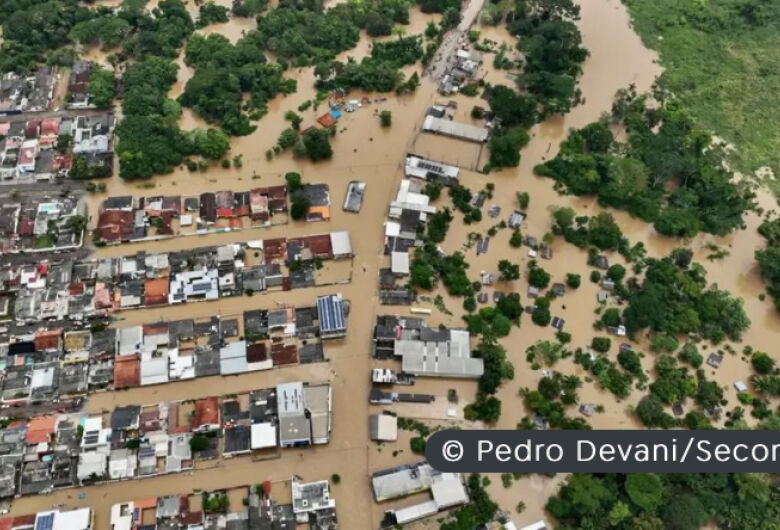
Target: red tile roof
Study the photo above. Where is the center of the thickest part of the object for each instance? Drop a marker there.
(156, 291)
(76, 288)
(274, 249)
(47, 340)
(127, 371)
(206, 412)
(32, 127)
(150, 421)
(320, 245)
(326, 120)
(115, 225)
(50, 126)
(40, 429)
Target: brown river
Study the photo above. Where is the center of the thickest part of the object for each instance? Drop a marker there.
(363, 150)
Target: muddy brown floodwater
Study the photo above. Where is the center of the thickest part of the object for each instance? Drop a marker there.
(365, 151)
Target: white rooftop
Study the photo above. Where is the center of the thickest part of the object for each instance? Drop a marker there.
(289, 398)
(455, 129)
(449, 491)
(422, 168)
(399, 263)
(450, 358)
(263, 435)
(341, 243)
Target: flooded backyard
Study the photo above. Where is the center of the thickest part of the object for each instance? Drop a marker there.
(365, 151)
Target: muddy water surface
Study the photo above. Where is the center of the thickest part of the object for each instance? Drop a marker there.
(367, 152)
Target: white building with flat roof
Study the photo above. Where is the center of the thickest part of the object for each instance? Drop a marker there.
(442, 357)
(424, 169)
(461, 131)
(410, 197)
(78, 519)
(263, 436)
(122, 516)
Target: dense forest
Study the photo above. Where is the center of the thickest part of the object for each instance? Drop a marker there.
(674, 298)
(380, 72)
(673, 501)
(769, 258)
(150, 140)
(668, 172)
(224, 72)
(37, 30)
(551, 46)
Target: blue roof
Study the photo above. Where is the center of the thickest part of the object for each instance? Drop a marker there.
(335, 114)
(331, 313)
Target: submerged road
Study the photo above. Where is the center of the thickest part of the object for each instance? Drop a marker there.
(445, 55)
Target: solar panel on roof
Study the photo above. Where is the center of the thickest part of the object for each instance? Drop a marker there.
(331, 313)
(434, 168)
(45, 522)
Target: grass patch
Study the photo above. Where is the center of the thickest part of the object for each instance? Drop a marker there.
(722, 60)
(44, 241)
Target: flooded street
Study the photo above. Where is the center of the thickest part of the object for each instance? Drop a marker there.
(365, 151)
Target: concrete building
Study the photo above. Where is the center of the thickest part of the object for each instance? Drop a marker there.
(439, 353)
(447, 491)
(410, 197)
(461, 131)
(305, 413)
(78, 519)
(294, 427)
(311, 496)
(383, 427)
(430, 170)
(263, 436)
(341, 244)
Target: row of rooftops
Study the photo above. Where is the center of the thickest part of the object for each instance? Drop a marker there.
(80, 289)
(407, 213)
(311, 505)
(65, 450)
(430, 170)
(53, 365)
(40, 224)
(27, 146)
(76, 519)
(27, 93)
(126, 218)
